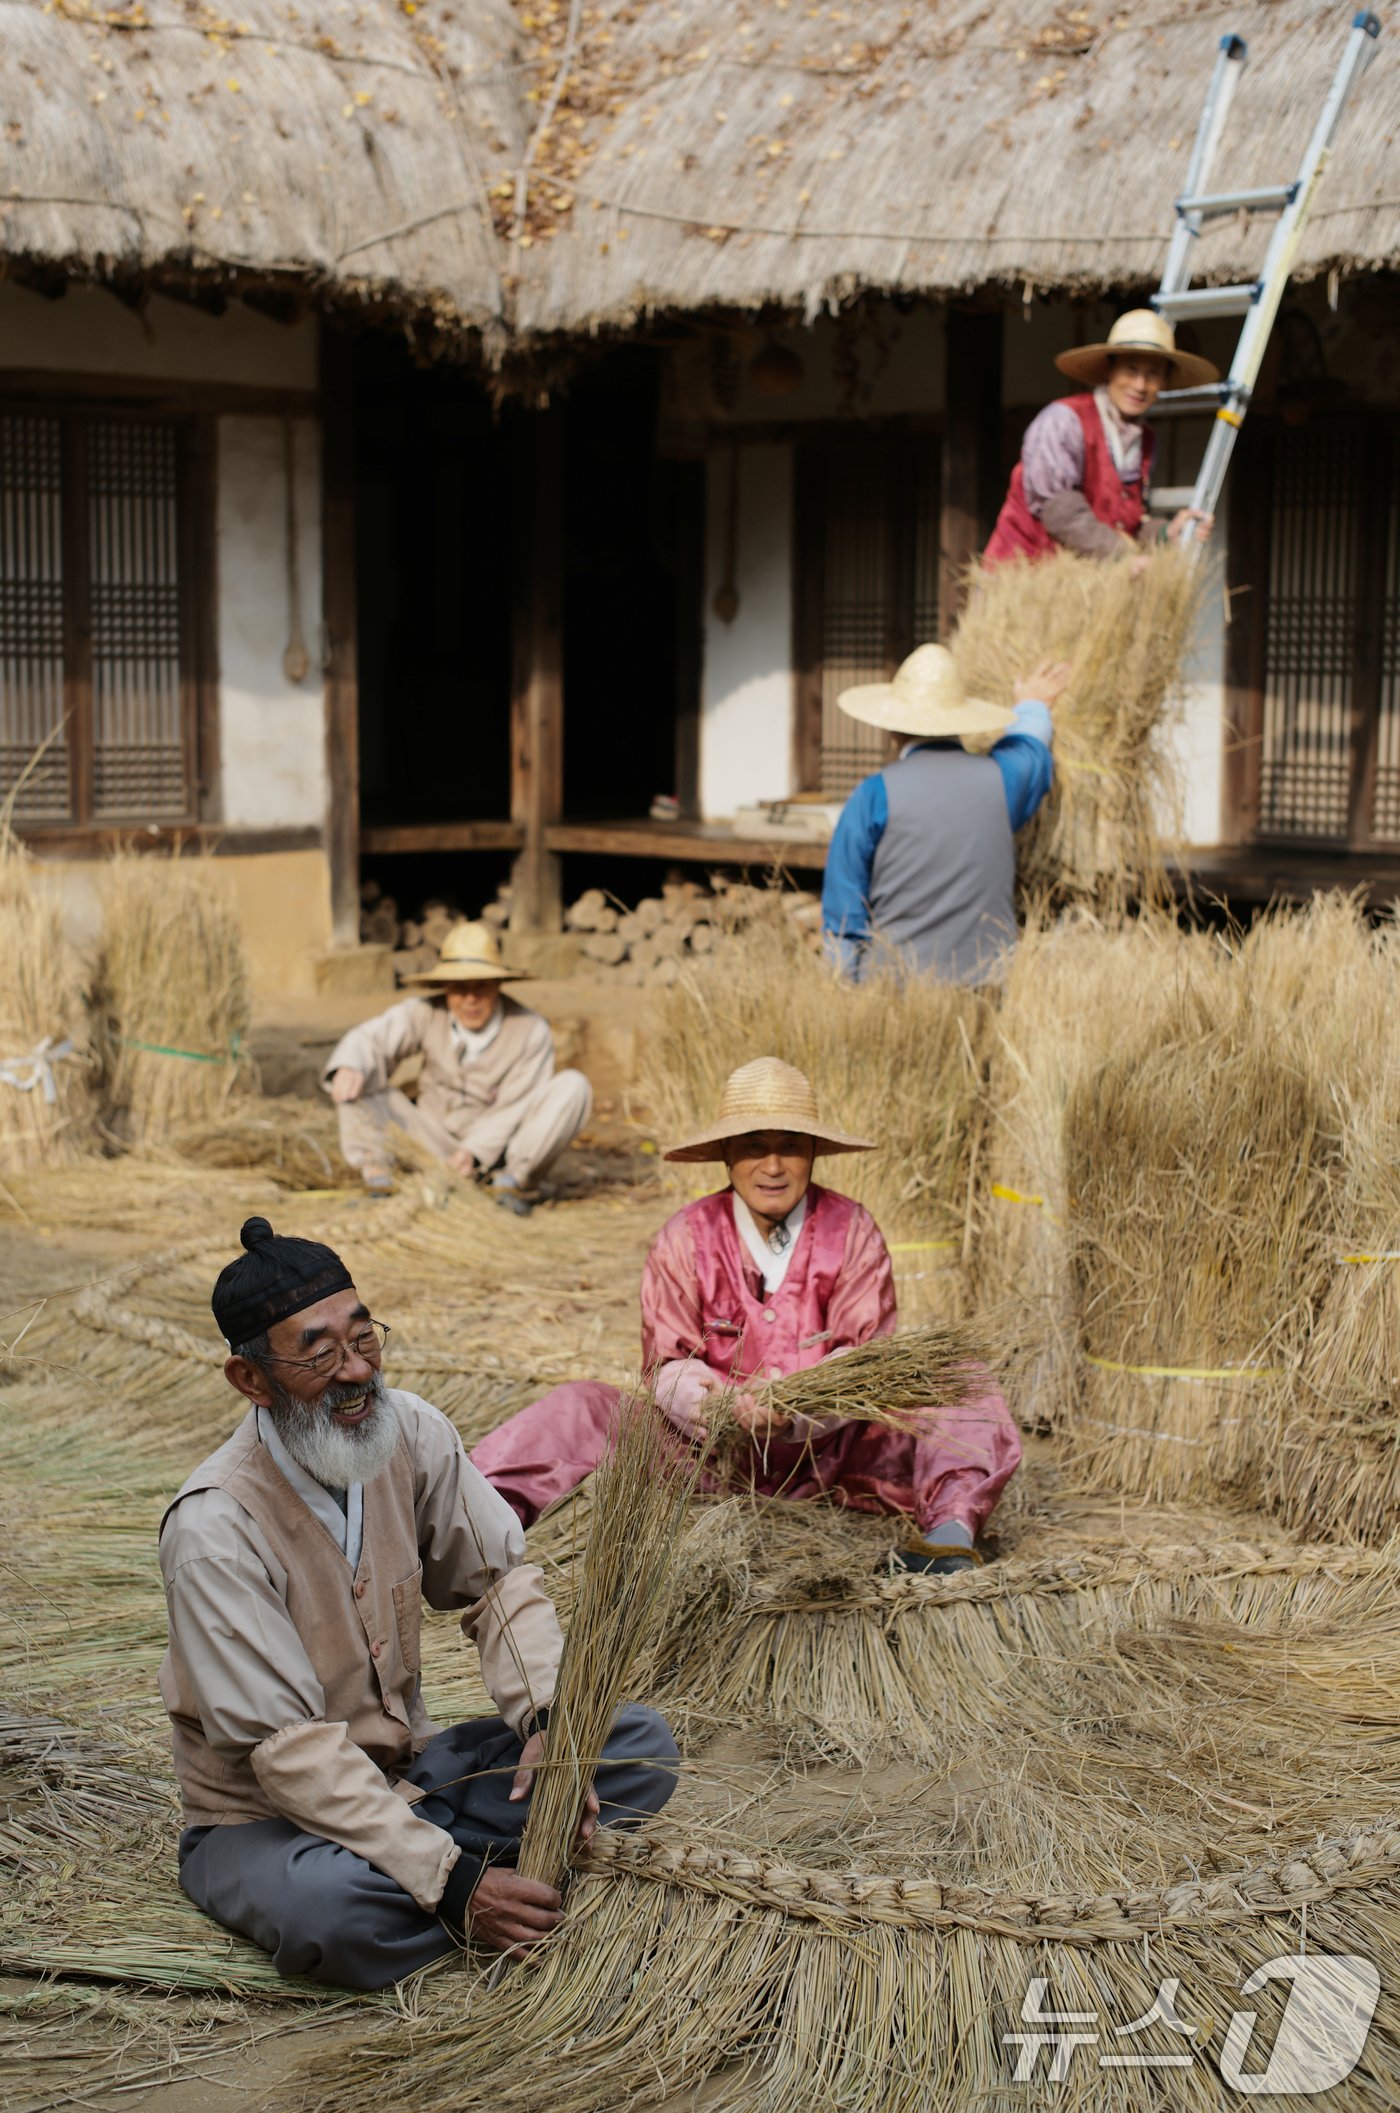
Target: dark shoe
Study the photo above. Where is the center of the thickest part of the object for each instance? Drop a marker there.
(511, 1200)
(378, 1181)
(929, 1563)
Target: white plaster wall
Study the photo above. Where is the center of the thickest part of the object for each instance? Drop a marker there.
(271, 731)
(91, 332)
(746, 708)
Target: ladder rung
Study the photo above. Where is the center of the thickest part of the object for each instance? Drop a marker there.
(1189, 403)
(1170, 498)
(1208, 300)
(1268, 197)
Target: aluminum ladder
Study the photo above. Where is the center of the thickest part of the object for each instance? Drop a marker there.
(1258, 301)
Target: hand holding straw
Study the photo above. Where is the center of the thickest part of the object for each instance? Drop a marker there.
(888, 1380)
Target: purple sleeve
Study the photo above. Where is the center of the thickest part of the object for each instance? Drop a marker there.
(1052, 455)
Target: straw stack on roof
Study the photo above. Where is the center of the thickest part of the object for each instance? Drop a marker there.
(171, 994)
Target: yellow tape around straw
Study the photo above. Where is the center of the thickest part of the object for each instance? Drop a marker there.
(919, 1247)
(1391, 1254)
(1039, 1203)
(1106, 1364)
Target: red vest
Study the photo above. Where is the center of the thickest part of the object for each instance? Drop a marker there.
(1019, 534)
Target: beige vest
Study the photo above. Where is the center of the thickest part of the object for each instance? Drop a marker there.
(361, 1635)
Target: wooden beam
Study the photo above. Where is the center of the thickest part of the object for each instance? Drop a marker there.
(1251, 501)
(383, 838)
(135, 392)
(971, 468)
(537, 667)
(688, 843)
(63, 840)
(338, 611)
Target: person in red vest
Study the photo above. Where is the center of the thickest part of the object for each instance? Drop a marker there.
(1081, 483)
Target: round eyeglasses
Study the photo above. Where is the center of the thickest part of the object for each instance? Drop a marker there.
(367, 1342)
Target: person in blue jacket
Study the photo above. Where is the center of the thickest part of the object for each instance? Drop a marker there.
(923, 859)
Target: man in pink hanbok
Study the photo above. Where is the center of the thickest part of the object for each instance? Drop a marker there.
(765, 1277)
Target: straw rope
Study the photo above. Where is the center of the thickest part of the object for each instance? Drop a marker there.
(1349, 1863)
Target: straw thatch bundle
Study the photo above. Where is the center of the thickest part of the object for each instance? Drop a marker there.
(47, 1103)
(1074, 988)
(1097, 837)
(171, 995)
(1336, 1468)
(1198, 1161)
(897, 1062)
(879, 1991)
(890, 1380)
(641, 1491)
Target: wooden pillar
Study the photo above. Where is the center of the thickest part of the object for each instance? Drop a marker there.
(342, 834)
(537, 666)
(971, 467)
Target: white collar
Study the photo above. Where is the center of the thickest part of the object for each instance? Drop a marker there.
(773, 1262)
(346, 1528)
(471, 1041)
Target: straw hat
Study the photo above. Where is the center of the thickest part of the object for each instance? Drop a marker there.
(926, 698)
(471, 953)
(766, 1095)
(1140, 330)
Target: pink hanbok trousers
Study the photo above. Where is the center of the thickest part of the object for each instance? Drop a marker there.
(706, 1317)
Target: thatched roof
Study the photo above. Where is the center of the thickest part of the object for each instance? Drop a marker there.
(337, 144)
(552, 167)
(790, 153)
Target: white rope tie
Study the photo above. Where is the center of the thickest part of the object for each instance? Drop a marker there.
(36, 1069)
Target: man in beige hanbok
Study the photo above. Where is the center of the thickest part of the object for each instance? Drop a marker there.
(490, 1102)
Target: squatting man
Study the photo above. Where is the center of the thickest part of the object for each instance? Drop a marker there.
(325, 1817)
(490, 1103)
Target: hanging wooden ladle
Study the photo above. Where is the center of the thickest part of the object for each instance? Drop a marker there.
(296, 661)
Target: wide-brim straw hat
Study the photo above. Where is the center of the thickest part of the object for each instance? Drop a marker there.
(1140, 330)
(766, 1095)
(925, 698)
(471, 953)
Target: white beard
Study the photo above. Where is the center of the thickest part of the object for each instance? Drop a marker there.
(338, 1457)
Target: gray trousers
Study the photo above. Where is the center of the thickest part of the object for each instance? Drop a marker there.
(324, 1912)
(545, 1121)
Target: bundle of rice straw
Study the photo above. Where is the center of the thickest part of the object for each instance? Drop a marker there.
(171, 995)
(1097, 838)
(891, 1379)
(899, 1062)
(1199, 1158)
(1336, 1469)
(1073, 989)
(642, 1492)
(47, 1102)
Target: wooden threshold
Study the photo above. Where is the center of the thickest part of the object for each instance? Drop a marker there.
(1261, 873)
(708, 843)
(380, 838)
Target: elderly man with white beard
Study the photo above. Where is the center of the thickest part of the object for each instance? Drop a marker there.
(326, 1818)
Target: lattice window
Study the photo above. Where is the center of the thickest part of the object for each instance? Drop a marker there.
(32, 729)
(97, 646)
(1314, 566)
(868, 586)
(1327, 682)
